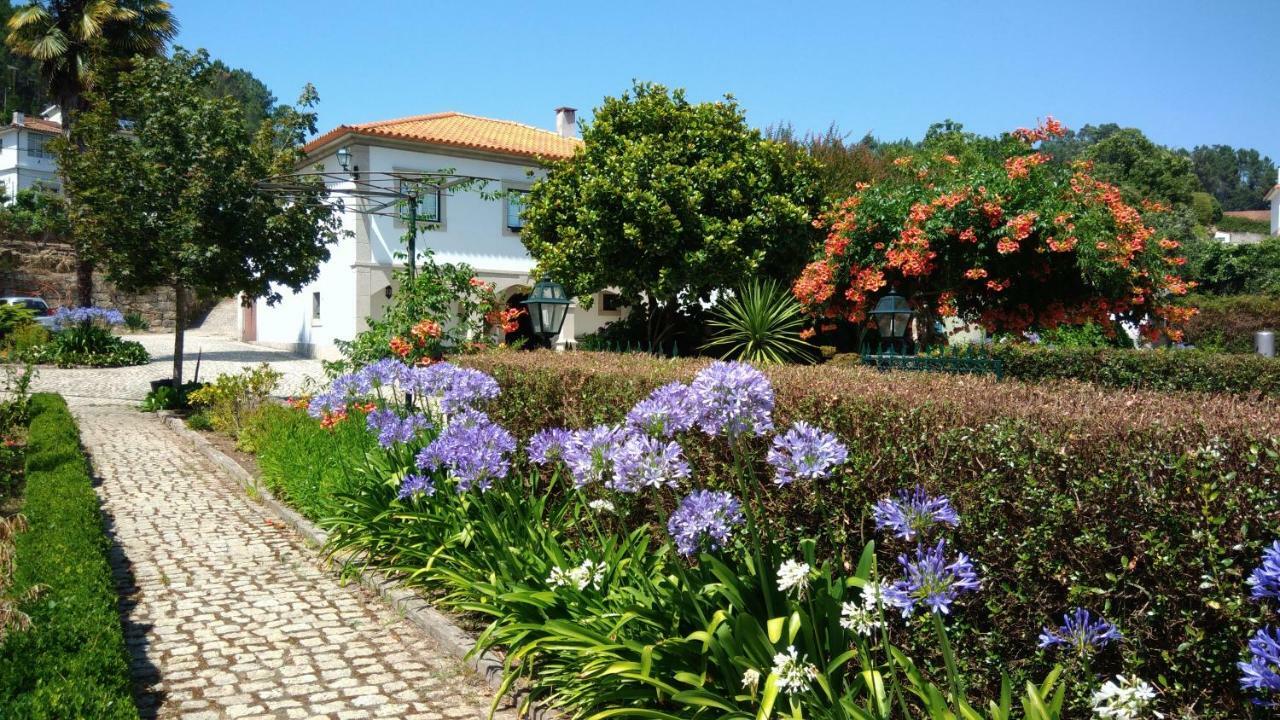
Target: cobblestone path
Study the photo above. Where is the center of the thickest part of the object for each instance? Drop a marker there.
(228, 615)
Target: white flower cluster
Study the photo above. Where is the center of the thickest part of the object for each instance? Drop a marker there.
(1125, 698)
(793, 575)
(751, 679)
(793, 671)
(862, 616)
(589, 574)
(601, 506)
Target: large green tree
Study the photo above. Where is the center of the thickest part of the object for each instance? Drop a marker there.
(256, 100)
(669, 201)
(1238, 178)
(173, 202)
(76, 42)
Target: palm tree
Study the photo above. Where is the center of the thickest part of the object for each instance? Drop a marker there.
(74, 41)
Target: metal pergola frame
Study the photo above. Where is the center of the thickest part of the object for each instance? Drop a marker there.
(392, 194)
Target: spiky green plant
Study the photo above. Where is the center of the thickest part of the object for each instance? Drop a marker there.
(759, 323)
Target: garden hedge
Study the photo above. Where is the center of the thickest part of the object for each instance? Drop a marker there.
(1228, 322)
(71, 663)
(1150, 508)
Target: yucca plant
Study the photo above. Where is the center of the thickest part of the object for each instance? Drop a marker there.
(759, 323)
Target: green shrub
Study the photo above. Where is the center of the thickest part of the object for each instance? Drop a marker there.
(13, 317)
(1177, 370)
(760, 323)
(1228, 322)
(230, 400)
(1146, 507)
(1234, 223)
(64, 351)
(71, 663)
(134, 321)
(25, 338)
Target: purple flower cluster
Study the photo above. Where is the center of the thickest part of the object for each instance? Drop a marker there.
(473, 449)
(414, 484)
(547, 446)
(643, 461)
(1265, 579)
(589, 453)
(733, 399)
(1080, 632)
(914, 512)
(932, 580)
(805, 453)
(458, 388)
(1262, 670)
(64, 317)
(392, 428)
(387, 372)
(668, 410)
(704, 521)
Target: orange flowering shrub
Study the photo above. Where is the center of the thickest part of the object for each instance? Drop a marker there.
(1001, 238)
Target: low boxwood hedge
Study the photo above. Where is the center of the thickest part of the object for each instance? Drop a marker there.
(71, 663)
(1150, 508)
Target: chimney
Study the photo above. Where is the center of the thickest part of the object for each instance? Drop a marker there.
(19, 118)
(567, 121)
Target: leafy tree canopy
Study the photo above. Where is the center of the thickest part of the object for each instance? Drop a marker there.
(173, 202)
(668, 201)
(842, 163)
(990, 230)
(256, 100)
(1238, 178)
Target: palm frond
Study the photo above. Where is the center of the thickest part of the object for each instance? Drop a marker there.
(760, 323)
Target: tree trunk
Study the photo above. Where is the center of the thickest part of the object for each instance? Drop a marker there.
(84, 267)
(661, 325)
(179, 332)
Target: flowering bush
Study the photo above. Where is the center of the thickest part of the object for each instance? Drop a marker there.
(643, 566)
(83, 337)
(998, 236)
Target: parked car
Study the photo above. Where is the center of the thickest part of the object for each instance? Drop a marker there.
(44, 313)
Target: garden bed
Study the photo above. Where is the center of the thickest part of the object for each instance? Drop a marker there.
(71, 662)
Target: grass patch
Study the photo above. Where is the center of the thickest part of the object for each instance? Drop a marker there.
(72, 662)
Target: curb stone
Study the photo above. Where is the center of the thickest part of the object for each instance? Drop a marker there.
(453, 639)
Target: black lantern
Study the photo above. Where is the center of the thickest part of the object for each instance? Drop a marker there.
(547, 305)
(387, 291)
(893, 316)
(344, 158)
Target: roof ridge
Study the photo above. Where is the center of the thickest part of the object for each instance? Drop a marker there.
(408, 118)
(516, 123)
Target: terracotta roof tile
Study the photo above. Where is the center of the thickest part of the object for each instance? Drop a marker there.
(462, 131)
(1260, 215)
(41, 125)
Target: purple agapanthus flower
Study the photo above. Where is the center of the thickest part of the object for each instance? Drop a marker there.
(589, 453)
(473, 449)
(805, 453)
(914, 512)
(64, 317)
(643, 461)
(458, 388)
(733, 398)
(668, 410)
(1262, 670)
(1265, 579)
(387, 372)
(547, 446)
(392, 428)
(415, 484)
(704, 521)
(931, 580)
(1080, 632)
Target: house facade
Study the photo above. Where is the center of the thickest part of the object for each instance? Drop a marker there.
(25, 159)
(1273, 196)
(357, 281)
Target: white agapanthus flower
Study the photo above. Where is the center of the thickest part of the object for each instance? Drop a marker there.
(588, 574)
(792, 670)
(601, 506)
(751, 679)
(862, 616)
(1125, 698)
(792, 574)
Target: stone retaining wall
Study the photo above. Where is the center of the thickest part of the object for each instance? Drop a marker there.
(46, 268)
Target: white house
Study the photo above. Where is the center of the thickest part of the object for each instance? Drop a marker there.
(467, 228)
(25, 160)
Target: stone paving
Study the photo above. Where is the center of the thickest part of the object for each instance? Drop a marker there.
(226, 614)
(217, 355)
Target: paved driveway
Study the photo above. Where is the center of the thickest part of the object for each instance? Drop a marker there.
(218, 355)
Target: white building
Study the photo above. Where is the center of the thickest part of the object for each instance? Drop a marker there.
(466, 228)
(1273, 195)
(25, 160)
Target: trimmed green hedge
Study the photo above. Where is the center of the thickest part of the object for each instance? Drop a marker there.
(1150, 508)
(72, 662)
(1228, 322)
(1198, 370)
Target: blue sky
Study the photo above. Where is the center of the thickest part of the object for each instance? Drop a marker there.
(1186, 72)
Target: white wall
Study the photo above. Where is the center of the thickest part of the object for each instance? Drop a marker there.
(474, 231)
(20, 171)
